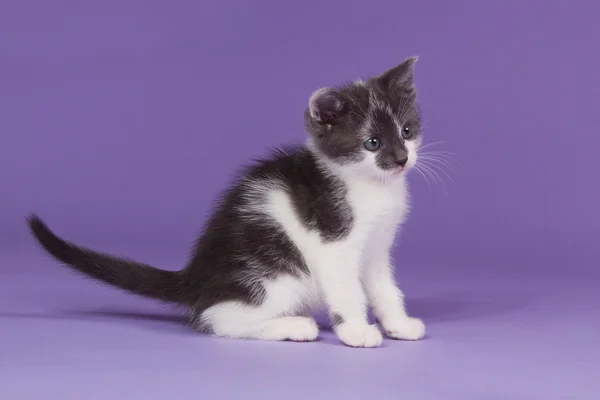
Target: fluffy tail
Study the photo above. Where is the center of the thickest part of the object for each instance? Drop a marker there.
(128, 275)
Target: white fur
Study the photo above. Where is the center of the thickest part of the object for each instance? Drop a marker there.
(282, 315)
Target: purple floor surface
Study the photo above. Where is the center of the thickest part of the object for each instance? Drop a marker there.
(491, 335)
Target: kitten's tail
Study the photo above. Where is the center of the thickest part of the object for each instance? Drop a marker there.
(128, 275)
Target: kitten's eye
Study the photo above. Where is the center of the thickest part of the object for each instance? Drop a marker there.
(372, 144)
(407, 132)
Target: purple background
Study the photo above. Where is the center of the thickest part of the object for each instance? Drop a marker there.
(121, 120)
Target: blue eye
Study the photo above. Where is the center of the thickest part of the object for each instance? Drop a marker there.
(407, 132)
(372, 144)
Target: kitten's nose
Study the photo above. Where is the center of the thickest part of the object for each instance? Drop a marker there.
(401, 159)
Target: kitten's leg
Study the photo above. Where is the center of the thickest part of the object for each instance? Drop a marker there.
(278, 317)
(338, 275)
(234, 323)
(387, 300)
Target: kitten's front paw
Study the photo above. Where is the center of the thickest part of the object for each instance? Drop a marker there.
(405, 329)
(359, 335)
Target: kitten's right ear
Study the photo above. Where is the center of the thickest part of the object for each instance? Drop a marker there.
(327, 106)
(401, 76)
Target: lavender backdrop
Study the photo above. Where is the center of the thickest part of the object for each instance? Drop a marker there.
(121, 120)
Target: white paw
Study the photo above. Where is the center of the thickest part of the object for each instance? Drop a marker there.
(405, 329)
(359, 335)
(302, 329)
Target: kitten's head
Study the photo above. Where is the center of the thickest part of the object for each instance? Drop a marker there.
(370, 127)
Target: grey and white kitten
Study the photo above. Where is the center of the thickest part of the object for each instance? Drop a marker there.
(308, 226)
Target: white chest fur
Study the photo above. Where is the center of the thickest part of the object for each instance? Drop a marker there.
(377, 210)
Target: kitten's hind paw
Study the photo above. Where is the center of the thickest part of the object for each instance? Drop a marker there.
(302, 329)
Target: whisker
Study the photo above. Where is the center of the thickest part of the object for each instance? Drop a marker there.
(435, 176)
(418, 169)
(437, 167)
(433, 173)
(450, 153)
(441, 156)
(426, 145)
(444, 159)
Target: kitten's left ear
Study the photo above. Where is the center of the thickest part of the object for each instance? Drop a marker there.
(327, 106)
(401, 76)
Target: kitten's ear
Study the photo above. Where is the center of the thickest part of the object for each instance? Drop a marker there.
(401, 76)
(327, 106)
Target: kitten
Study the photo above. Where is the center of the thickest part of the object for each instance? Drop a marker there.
(310, 225)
